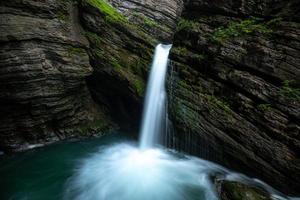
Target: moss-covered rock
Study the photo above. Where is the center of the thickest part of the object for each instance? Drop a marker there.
(234, 91)
(239, 191)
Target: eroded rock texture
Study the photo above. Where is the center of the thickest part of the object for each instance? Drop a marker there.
(230, 190)
(51, 49)
(122, 44)
(43, 68)
(158, 17)
(234, 90)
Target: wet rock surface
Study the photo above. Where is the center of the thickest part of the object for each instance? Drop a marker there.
(44, 63)
(230, 190)
(234, 88)
(158, 17)
(70, 68)
(121, 49)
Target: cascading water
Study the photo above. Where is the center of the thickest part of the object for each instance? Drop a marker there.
(155, 101)
(142, 172)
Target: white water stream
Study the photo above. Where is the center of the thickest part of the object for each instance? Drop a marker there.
(144, 172)
(155, 101)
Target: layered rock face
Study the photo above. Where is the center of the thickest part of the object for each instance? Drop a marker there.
(161, 16)
(122, 44)
(44, 63)
(68, 68)
(51, 49)
(234, 90)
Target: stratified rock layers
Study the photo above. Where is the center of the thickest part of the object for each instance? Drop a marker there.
(58, 58)
(234, 91)
(70, 68)
(43, 68)
(121, 49)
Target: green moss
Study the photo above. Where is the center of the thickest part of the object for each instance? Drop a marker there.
(219, 103)
(289, 91)
(62, 16)
(145, 19)
(182, 51)
(183, 84)
(116, 18)
(200, 56)
(111, 14)
(184, 112)
(139, 86)
(98, 124)
(185, 24)
(94, 38)
(274, 22)
(236, 29)
(138, 66)
(238, 191)
(76, 51)
(150, 22)
(115, 64)
(264, 107)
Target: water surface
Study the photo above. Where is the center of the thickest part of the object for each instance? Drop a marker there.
(40, 174)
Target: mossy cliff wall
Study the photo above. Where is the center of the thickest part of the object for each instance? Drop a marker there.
(234, 91)
(73, 68)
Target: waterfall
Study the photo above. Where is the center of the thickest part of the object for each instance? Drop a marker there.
(128, 172)
(155, 101)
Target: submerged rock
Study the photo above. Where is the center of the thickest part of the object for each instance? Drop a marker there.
(239, 191)
(73, 68)
(234, 89)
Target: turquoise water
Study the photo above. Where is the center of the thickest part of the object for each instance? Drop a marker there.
(107, 168)
(41, 174)
(112, 167)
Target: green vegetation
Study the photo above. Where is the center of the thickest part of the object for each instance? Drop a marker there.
(76, 51)
(236, 29)
(62, 16)
(98, 124)
(111, 14)
(274, 22)
(139, 86)
(185, 24)
(115, 64)
(137, 66)
(264, 107)
(128, 64)
(120, 59)
(183, 84)
(94, 38)
(182, 51)
(146, 20)
(288, 91)
(195, 56)
(116, 18)
(150, 22)
(239, 191)
(219, 103)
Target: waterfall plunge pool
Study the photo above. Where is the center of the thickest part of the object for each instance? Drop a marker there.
(109, 168)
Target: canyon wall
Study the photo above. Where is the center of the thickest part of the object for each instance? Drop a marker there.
(74, 68)
(78, 68)
(234, 90)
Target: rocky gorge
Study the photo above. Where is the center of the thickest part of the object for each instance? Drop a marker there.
(72, 69)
